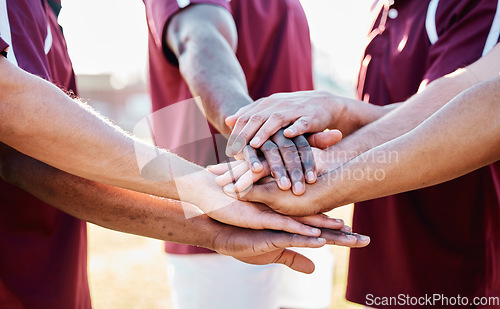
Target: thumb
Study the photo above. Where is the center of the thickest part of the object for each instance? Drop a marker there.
(325, 139)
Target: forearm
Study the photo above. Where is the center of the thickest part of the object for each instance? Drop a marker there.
(213, 73)
(461, 137)
(400, 120)
(414, 111)
(41, 121)
(204, 39)
(110, 207)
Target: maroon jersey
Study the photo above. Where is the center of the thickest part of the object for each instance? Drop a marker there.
(43, 253)
(274, 51)
(443, 239)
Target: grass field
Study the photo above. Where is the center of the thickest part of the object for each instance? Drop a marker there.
(129, 272)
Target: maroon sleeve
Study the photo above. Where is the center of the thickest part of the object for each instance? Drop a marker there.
(3, 47)
(463, 28)
(159, 12)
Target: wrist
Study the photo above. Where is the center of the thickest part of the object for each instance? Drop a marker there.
(329, 192)
(335, 107)
(357, 114)
(201, 190)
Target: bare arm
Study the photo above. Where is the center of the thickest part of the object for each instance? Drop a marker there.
(331, 192)
(41, 121)
(155, 217)
(204, 39)
(419, 107)
(461, 137)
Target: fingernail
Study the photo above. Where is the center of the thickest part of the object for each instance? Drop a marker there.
(338, 220)
(299, 187)
(364, 238)
(255, 141)
(310, 176)
(256, 166)
(352, 238)
(320, 240)
(285, 183)
(236, 147)
(315, 231)
(289, 131)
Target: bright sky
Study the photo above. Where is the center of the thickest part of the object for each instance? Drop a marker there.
(110, 36)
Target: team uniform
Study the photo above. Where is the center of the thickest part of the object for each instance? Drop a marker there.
(274, 51)
(443, 239)
(43, 251)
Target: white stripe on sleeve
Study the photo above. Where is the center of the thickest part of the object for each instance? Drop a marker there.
(48, 40)
(492, 39)
(183, 3)
(430, 21)
(5, 31)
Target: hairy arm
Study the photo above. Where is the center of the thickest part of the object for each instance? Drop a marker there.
(461, 137)
(418, 108)
(204, 39)
(39, 120)
(155, 217)
(336, 188)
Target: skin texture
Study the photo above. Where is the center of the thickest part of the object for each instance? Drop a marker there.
(204, 40)
(300, 113)
(422, 146)
(77, 140)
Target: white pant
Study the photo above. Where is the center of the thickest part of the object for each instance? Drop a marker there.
(214, 281)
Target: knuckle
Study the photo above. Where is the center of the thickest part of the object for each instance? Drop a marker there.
(243, 119)
(304, 123)
(288, 145)
(278, 116)
(269, 146)
(278, 171)
(257, 118)
(296, 174)
(301, 142)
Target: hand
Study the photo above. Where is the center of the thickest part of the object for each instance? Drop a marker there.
(315, 200)
(265, 247)
(284, 155)
(239, 173)
(200, 189)
(307, 111)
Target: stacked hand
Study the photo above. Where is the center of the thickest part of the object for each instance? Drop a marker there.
(295, 159)
(267, 246)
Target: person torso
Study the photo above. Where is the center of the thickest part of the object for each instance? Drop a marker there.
(43, 251)
(435, 240)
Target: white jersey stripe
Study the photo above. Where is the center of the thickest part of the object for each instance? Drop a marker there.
(430, 21)
(492, 39)
(183, 3)
(48, 40)
(5, 31)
